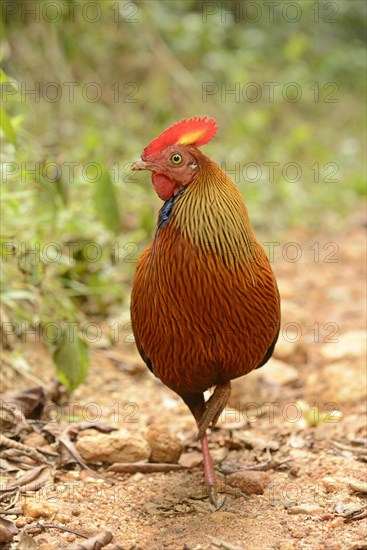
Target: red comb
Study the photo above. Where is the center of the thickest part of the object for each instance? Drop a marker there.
(194, 131)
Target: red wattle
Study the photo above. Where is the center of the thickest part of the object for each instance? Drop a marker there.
(164, 186)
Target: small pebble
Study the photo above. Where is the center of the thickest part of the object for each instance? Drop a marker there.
(337, 522)
(165, 447)
(21, 522)
(63, 517)
(118, 446)
(358, 486)
(249, 482)
(38, 508)
(297, 533)
(190, 460)
(308, 509)
(330, 484)
(137, 477)
(327, 516)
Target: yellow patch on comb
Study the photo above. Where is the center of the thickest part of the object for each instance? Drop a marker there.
(194, 131)
(191, 137)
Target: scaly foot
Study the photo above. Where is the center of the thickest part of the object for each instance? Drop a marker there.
(214, 407)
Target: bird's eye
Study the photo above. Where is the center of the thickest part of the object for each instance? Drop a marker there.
(176, 158)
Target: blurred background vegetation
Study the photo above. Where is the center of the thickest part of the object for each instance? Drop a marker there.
(86, 85)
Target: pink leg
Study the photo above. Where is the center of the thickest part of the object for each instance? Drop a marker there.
(196, 404)
(209, 473)
(210, 477)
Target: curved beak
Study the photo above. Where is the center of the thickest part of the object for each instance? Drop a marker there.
(142, 165)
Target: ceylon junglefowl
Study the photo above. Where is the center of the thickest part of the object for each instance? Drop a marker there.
(205, 307)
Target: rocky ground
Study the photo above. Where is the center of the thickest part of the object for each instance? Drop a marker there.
(290, 448)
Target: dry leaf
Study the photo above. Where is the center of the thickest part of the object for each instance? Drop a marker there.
(26, 542)
(30, 402)
(7, 530)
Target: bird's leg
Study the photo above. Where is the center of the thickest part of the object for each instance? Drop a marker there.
(214, 407)
(209, 474)
(196, 404)
(210, 477)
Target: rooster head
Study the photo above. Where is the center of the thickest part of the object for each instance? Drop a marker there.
(173, 157)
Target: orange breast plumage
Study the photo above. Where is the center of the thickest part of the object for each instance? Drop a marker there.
(205, 305)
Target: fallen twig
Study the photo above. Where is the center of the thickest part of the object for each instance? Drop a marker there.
(261, 467)
(41, 527)
(26, 449)
(11, 511)
(28, 482)
(356, 516)
(31, 481)
(268, 465)
(351, 514)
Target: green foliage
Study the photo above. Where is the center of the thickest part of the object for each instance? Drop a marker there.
(7, 127)
(71, 358)
(119, 82)
(105, 201)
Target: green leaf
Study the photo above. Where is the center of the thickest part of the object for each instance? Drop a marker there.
(105, 201)
(7, 127)
(3, 77)
(71, 358)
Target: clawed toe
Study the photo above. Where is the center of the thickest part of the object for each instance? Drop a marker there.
(213, 498)
(211, 491)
